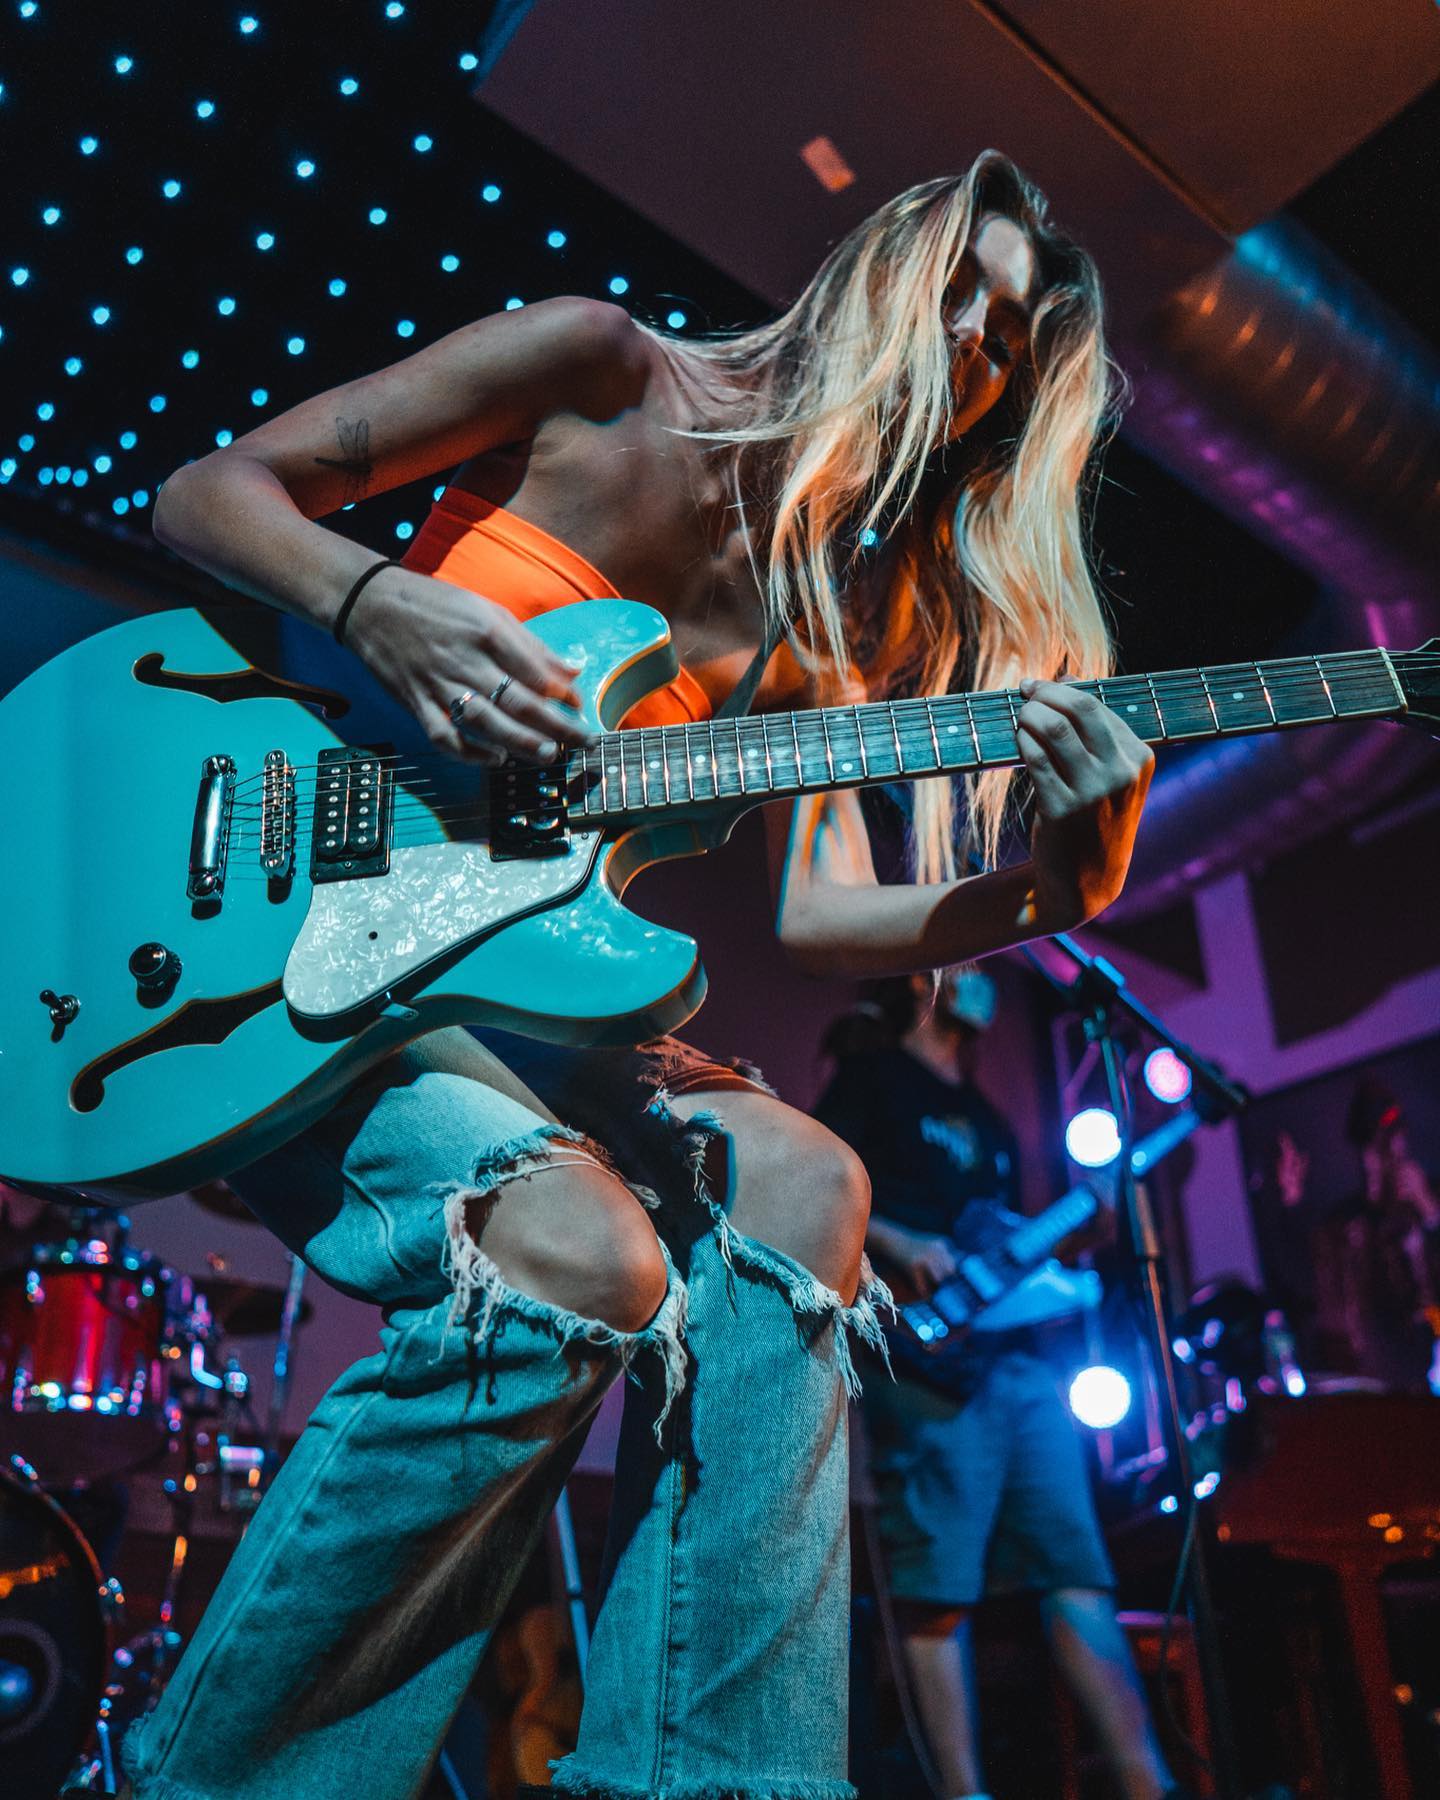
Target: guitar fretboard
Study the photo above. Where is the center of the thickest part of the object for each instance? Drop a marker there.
(778, 754)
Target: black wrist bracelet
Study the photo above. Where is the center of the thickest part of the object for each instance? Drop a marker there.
(337, 628)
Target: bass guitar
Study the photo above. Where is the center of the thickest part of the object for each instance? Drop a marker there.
(229, 893)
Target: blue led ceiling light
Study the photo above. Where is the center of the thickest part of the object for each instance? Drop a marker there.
(51, 215)
(619, 285)
(404, 328)
(295, 345)
(140, 497)
(89, 145)
(225, 306)
(249, 25)
(26, 443)
(100, 314)
(469, 60)
(128, 440)
(337, 287)
(449, 264)
(404, 529)
(73, 365)
(377, 215)
(134, 255)
(204, 109)
(424, 142)
(45, 410)
(222, 438)
(349, 86)
(79, 477)
(171, 189)
(259, 396)
(489, 193)
(305, 168)
(158, 403)
(555, 239)
(676, 320)
(265, 241)
(20, 275)
(394, 10)
(120, 505)
(190, 359)
(103, 464)
(124, 64)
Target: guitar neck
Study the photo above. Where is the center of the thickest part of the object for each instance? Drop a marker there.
(756, 758)
(1034, 1241)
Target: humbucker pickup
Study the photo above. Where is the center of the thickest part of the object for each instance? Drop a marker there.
(350, 834)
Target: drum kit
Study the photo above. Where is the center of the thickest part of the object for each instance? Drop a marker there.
(125, 1419)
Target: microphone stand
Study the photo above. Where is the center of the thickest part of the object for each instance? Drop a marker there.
(1097, 992)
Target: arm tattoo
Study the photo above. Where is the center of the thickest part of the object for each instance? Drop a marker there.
(354, 462)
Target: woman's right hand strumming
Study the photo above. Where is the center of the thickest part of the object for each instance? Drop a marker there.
(431, 643)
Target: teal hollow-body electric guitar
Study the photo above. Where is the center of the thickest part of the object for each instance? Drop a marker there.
(229, 893)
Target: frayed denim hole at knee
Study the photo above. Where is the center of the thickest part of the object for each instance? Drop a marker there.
(580, 1786)
(815, 1305)
(476, 1280)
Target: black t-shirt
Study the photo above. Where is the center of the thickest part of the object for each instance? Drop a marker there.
(930, 1146)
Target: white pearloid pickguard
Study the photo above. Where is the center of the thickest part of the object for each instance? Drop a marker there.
(363, 938)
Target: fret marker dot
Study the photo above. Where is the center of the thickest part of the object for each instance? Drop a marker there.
(1238, 695)
(1132, 709)
(614, 769)
(845, 768)
(950, 730)
(654, 763)
(700, 756)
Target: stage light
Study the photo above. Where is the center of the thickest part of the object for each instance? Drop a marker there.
(120, 505)
(394, 10)
(449, 264)
(20, 276)
(73, 365)
(128, 440)
(404, 529)
(265, 241)
(45, 476)
(51, 215)
(171, 189)
(259, 396)
(1169, 1504)
(513, 305)
(337, 287)
(305, 168)
(1167, 1077)
(619, 285)
(1092, 1138)
(124, 64)
(404, 328)
(78, 477)
(490, 193)
(140, 497)
(157, 403)
(1100, 1397)
(62, 474)
(225, 306)
(222, 438)
(469, 60)
(249, 25)
(103, 465)
(676, 320)
(204, 109)
(26, 443)
(295, 345)
(89, 145)
(8, 468)
(45, 410)
(349, 86)
(555, 239)
(190, 359)
(134, 255)
(377, 215)
(100, 314)
(423, 143)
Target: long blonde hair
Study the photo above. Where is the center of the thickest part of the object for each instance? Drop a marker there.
(832, 414)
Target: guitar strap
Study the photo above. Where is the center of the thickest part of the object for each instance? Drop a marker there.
(742, 696)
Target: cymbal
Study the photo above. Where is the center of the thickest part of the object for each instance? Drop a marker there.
(220, 1198)
(246, 1308)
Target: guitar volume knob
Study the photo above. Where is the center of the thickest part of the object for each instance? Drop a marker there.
(154, 967)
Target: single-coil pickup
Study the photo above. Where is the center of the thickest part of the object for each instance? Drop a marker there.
(350, 835)
(277, 817)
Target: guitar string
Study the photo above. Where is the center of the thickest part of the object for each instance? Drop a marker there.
(987, 709)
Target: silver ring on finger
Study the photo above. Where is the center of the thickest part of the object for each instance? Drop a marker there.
(500, 689)
(459, 704)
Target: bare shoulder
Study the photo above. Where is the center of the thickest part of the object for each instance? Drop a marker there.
(586, 354)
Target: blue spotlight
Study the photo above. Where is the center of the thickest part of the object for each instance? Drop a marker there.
(349, 86)
(555, 239)
(469, 60)
(513, 304)
(73, 365)
(124, 64)
(140, 497)
(337, 287)
(1167, 1077)
(1100, 1397)
(51, 215)
(20, 275)
(305, 168)
(134, 255)
(249, 25)
(222, 438)
(79, 477)
(676, 320)
(171, 189)
(225, 306)
(190, 359)
(1092, 1138)
(489, 193)
(394, 10)
(424, 142)
(128, 440)
(103, 464)
(259, 396)
(449, 264)
(100, 314)
(8, 468)
(378, 215)
(295, 345)
(405, 328)
(404, 529)
(120, 504)
(204, 109)
(265, 241)
(89, 145)
(157, 403)
(45, 410)
(26, 443)
(619, 285)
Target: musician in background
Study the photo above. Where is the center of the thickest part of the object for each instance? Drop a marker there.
(987, 1493)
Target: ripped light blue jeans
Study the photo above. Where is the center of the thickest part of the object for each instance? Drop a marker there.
(360, 1602)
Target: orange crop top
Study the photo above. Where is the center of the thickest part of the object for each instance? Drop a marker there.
(480, 546)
